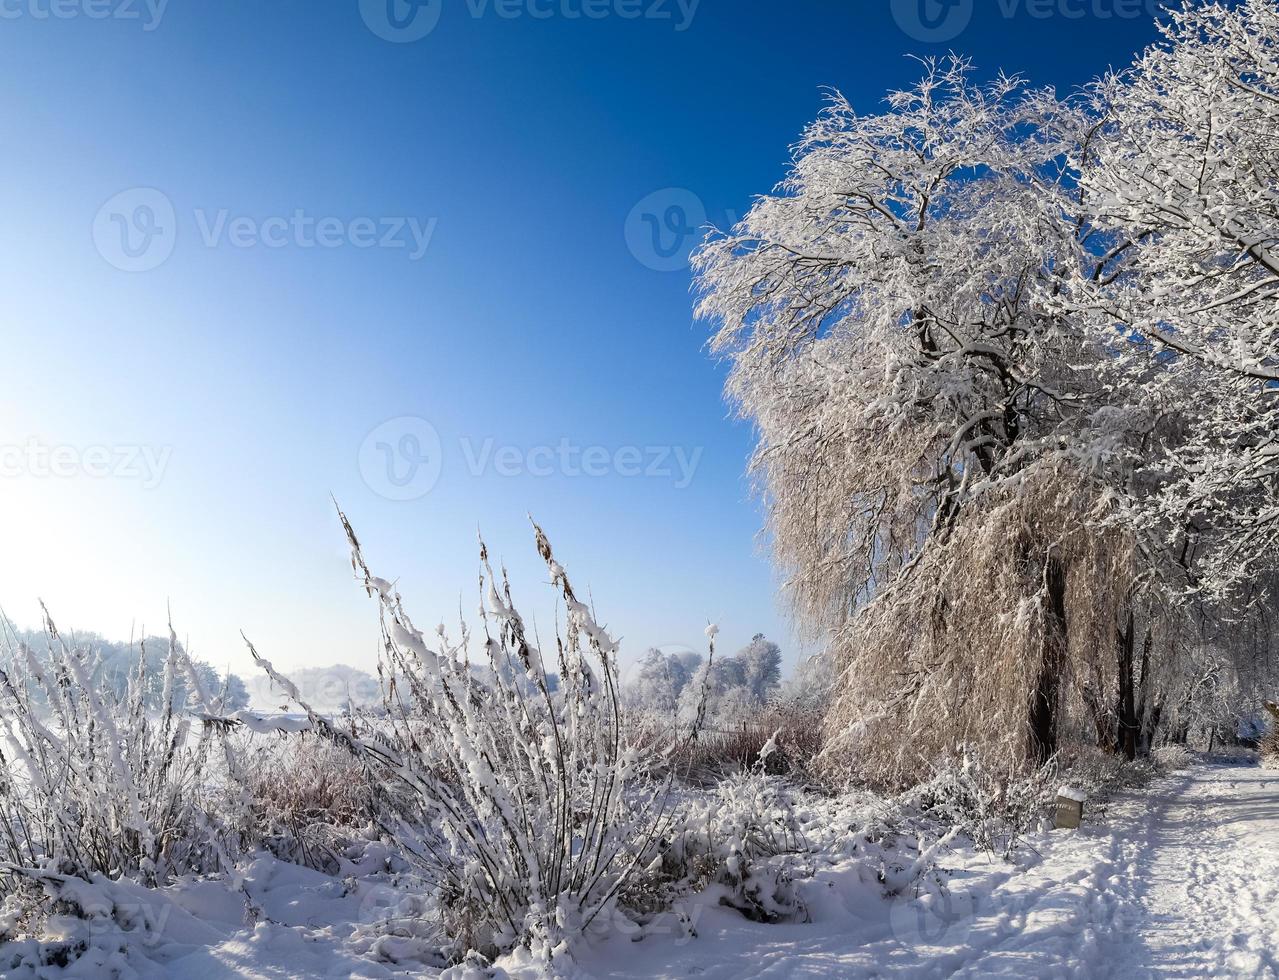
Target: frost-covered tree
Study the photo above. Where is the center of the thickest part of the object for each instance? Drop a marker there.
(1180, 182)
(761, 661)
(812, 683)
(719, 689)
(1011, 359)
(932, 440)
(879, 313)
(660, 679)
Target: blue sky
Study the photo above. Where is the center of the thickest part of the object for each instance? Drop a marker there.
(244, 238)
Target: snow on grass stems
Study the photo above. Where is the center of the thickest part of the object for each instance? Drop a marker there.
(541, 809)
(92, 783)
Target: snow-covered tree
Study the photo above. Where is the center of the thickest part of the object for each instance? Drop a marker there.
(660, 679)
(932, 439)
(1012, 363)
(1180, 183)
(761, 661)
(812, 683)
(735, 688)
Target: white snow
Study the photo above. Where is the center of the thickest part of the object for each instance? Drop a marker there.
(1073, 793)
(1180, 879)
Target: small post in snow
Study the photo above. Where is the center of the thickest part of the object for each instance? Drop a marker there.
(1070, 808)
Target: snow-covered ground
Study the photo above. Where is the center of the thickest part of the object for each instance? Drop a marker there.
(1200, 875)
(1179, 879)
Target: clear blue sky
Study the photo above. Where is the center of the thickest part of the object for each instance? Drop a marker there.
(253, 363)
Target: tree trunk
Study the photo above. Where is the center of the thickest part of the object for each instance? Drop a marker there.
(1129, 724)
(1147, 717)
(1043, 708)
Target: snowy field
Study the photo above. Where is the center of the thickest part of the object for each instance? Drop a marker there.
(1179, 879)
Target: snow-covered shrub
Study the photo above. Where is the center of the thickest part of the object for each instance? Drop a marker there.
(988, 806)
(522, 804)
(744, 839)
(104, 788)
(94, 783)
(1270, 751)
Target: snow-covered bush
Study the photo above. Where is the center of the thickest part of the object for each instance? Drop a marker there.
(94, 783)
(523, 805)
(743, 839)
(988, 806)
(104, 787)
(1171, 757)
(752, 829)
(1270, 751)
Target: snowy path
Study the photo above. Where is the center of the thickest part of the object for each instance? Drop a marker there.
(1181, 880)
(1205, 877)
